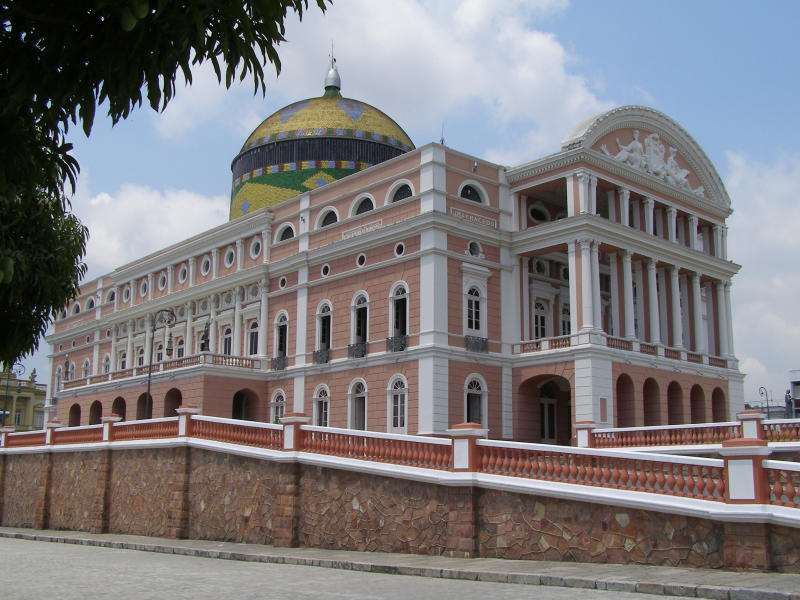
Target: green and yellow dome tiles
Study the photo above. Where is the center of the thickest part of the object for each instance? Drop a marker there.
(281, 158)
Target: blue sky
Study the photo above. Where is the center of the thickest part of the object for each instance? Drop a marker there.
(507, 80)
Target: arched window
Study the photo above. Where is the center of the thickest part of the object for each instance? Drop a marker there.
(566, 326)
(111, 296)
(277, 406)
(399, 313)
(360, 320)
(281, 334)
(474, 309)
(90, 304)
(398, 393)
(401, 193)
(123, 361)
(253, 338)
(474, 401)
(76, 309)
(140, 357)
(106, 364)
(539, 321)
(181, 348)
(321, 406)
(365, 205)
(329, 218)
(85, 369)
(286, 233)
(469, 192)
(74, 415)
(71, 372)
(324, 327)
(358, 406)
(227, 341)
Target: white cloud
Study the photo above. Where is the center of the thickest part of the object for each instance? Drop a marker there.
(136, 220)
(763, 238)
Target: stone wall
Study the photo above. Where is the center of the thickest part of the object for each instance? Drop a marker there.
(204, 494)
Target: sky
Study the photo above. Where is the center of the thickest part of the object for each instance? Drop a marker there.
(505, 81)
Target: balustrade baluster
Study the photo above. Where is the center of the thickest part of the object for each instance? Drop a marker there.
(582, 469)
(701, 482)
(589, 470)
(671, 478)
(660, 479)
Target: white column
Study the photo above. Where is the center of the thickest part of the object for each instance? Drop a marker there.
(149, 286)
(212, 334)
(710, 323)
(569, 180)
(677, 320)
(612, 205)
(598, 307)
(188, 337)
(624, 206)
(96, 353)
(191, 262)
(237, 323)
(724, 243)
(672, 227)
(699, 330)
(593, 194)
(652, 297)
(129, 346)
(729, 317)
(573, 287)
(302, 318)
(262, 318)
(722, 320)
(510, 294)
(114, 347)
(116, 298)
(627, 285)
(583, 191)
(693, 232)
(239, 254)
(525, 291)
(614, 275)
(519, 200)
(134, 291)
(265, 245)
(649, 204)
(638, 279)
(717, 229)
(586, 286)
(148, 337)
(170, 277)
(663, 317)
(214, 257)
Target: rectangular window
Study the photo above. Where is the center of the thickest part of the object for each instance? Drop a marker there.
(38, 420)
(18, 418)
(254, 342)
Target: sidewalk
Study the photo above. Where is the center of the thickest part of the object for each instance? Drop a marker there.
(669, 581)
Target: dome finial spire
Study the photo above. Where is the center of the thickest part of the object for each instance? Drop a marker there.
(333, 83)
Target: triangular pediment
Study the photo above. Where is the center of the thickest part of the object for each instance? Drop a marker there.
(648, 142)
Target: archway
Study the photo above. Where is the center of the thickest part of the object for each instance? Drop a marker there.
(172, 400)
(244, 403)
(74, 415)
(697, 400)
(719, 406)
(95, 412)
(548, 410)
(118, 407)
(144, 409)
(652, 412)
(626, 402)
(675, 404)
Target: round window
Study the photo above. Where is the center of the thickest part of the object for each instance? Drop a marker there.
(162, 281)
(282, 282)
(474, 249)
(183, 274)
(143, 289)
(126, 294)
(230, 255)
(361, 260)
(537, 214)
(399, 249)
(205, 266)
(326, 270)
(255, 248)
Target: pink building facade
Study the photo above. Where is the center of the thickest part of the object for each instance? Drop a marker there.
(434, 288)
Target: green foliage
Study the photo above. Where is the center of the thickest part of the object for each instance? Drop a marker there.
(59, 61)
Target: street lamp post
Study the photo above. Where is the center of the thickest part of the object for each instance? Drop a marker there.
(168, 320)
(17, 370)
(762, 391)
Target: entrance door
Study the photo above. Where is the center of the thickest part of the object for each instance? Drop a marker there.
(547, 420)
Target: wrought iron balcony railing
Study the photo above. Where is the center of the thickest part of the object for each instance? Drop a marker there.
(396, 343)
(476, 344)
(357, 350)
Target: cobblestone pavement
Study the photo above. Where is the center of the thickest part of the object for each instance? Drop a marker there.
(103, 565)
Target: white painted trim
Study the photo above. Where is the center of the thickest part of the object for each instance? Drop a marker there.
(256, 424)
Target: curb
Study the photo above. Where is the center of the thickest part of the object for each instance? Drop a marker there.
(712, 592)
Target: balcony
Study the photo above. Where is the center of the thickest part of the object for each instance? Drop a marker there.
(396, 343)
(278, 363)
(322, 356)
(357, 350)
(476, 344)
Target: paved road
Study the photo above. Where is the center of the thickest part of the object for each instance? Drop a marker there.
(71, 572)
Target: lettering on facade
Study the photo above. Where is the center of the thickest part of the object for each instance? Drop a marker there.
(472, 217)
(366, 228)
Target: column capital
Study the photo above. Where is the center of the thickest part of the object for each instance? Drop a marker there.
(648, 201)
(583, 176)
(672, 211)
(214, 252)
(624, 193)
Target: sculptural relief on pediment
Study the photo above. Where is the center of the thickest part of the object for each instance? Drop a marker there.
(646, 151)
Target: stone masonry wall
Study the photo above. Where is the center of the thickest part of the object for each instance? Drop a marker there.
(77, 491)
(24, 481)
(344, 510)
(231, 498)
(536, 528)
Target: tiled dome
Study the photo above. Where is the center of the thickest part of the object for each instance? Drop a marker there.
(310, 143)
